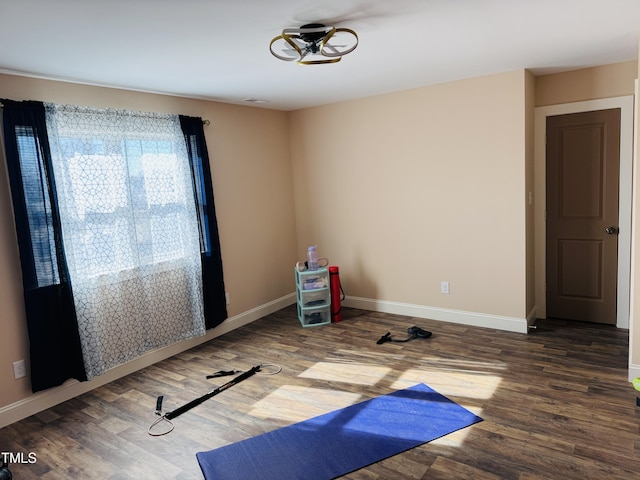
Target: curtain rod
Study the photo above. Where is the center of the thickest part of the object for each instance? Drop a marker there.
(204, 122)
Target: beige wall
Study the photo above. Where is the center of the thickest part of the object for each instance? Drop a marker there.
(406, 190)
(615, 80)
(249, 150)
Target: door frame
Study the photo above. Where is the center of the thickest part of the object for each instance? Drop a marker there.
(625, 104)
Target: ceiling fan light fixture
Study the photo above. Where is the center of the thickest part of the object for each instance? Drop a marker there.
(313, 44)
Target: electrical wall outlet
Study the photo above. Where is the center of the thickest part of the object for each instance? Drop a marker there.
(444, 287)
(226, 296)
(19, 369)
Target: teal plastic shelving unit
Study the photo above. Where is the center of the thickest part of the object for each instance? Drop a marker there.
(313, 297)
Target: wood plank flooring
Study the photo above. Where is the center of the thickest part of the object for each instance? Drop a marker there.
(556, 403)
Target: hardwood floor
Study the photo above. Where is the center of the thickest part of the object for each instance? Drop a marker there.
(556, 403)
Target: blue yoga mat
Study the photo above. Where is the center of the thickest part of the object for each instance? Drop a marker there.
(341, 441)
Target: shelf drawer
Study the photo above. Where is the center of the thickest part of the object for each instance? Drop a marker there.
(313, 282)
(312, 317)
(312, 279)
(314, 298)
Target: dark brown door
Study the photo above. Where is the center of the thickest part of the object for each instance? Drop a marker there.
(583, 164)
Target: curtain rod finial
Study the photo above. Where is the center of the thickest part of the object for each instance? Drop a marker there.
(206, 122)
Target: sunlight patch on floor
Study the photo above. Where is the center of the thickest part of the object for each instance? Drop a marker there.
(457, 385)
(295, 403)
(472, 385)
(354, 373)
(455, 439)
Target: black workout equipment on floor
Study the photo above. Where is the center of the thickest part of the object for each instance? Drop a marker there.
(5, 473)
(414, 332)
(207, 396)
(167, 417)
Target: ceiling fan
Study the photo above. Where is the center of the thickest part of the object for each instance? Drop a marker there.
(314, 44)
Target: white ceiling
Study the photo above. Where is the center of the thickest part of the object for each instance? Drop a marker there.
(219, 49)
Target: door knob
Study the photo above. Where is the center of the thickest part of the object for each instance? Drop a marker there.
(611, 230)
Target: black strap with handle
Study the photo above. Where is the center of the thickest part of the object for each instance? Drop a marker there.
(414, 332)
(194, 403)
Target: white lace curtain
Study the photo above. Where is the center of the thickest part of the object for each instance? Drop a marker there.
(130, 230)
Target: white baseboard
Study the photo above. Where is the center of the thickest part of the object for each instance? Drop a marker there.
(510, 324)
(46, 399)
(634, 372)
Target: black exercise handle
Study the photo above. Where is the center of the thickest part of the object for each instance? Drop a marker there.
(194, 403)
(5, 473)
(385, 338)
(221, 373)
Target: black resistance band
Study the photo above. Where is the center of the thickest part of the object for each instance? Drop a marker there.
(207, 396)
(193, 403)
(414, 332)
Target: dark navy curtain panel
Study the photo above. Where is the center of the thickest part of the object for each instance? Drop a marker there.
(215, 306)
(55, 352)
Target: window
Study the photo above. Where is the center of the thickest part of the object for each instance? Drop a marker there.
(117, 234)
(38, 207)
(128, 201)
(130, 227)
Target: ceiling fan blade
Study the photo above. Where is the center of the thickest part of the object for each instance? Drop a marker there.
(285, 48)
(330, 50)
(348, 42)
(318, 61)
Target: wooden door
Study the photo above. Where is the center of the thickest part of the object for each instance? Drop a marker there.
(583, 164)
